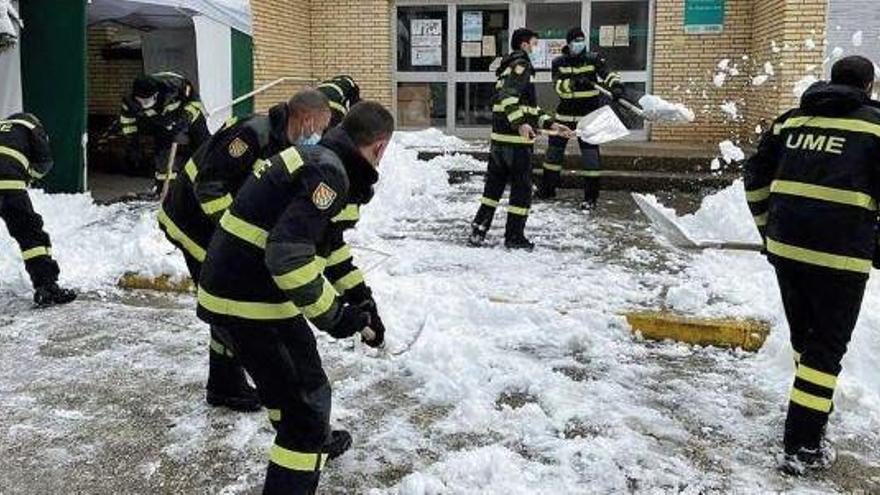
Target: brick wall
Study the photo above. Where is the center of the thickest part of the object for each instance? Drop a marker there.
(315, 40)
(108, 80)
(282, 47)
(685, 65)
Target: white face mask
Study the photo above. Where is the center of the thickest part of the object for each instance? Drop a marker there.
(147, 103)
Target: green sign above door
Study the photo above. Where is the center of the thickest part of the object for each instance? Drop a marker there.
(703, 16)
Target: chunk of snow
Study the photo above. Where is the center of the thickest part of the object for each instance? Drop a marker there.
(656, 105)
(836, 53)
(687, 297)
(774, 47)
(857, 38)
(768, 69)
(729, 108)
(758, 129)
(719, 79)
(810, 44)
(733, 71)
(731, 152)
(716, 164)
(759, 80)
(724, 64)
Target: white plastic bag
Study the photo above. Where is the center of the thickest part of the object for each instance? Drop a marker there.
(601, 126)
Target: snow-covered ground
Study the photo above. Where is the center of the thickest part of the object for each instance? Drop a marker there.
(525, 380)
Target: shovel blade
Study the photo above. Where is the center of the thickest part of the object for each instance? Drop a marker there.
(665, 225)
(601, 126)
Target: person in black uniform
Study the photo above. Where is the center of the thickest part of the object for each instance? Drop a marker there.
(279, 260)
(25, 155)
(343, 94)
(199, 197)
(166, 106)
(515, 116)
(576, 73)
(813, 187)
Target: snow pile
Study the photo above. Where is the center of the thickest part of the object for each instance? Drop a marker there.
(731, 152)
(719, 79)
(657, 106)
(730, 109)
(809, 44)
(431, 139)
(94, 245)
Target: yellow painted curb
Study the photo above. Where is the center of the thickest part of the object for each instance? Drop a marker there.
(720, 332)
(162, 283)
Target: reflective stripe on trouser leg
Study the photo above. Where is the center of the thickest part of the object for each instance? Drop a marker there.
(520, 192)
(496, 182)
(553, 163)
(26, 227)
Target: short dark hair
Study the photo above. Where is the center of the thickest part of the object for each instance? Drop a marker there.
(853, 71)
(368, 122)
(520, 36)
(307, 101)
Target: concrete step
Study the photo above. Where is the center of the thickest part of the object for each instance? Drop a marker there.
(629, 180)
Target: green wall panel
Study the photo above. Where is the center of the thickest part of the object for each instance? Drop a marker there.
(53, 66)
(242, 71)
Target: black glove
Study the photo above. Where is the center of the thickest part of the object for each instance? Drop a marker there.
(618, 91)
(353, 320)
(181, 138)
(582, 82)
(375, 324)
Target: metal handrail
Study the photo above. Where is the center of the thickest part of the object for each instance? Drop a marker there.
(262, 89)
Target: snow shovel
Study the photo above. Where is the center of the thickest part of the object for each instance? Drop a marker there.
(168, 170)
(679, 238)
(657, 115)
(598, 127)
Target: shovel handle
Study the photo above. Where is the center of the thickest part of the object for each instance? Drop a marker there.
(169, 168)
(632, 107)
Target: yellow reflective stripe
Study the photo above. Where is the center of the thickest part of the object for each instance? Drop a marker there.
(580, 94)
(491, 203)
(552, 167)
(510, 138)
(351, 213)
(219, 348)
(588, 173)
(340, 255)
(506, 72)
(150, 112)
(171, 107)
(129, 129)
(756, 195)
(36, 175)
(36, 252)
(274, 414)
(323, 304)
(25, 123)
(246, 309)
(817, 377)
(567, 118)
(353, 279)
(15, 155)
(852, 125)
(563, 86)
(163, 175)
(777, 129)
(299, 277)
(127, 120)
(582, 69)
(291, 159)
(297, 461)
(12, 185)
(830, 194)
(245, 231)
(338, 107)
(178, 235)
(217, 205)
(334, 87)
(819, 258)
(517, 210)
(810, 401)
(191, 170)
(543, 119)
(761, 220)
(515, 115)
(797, 356)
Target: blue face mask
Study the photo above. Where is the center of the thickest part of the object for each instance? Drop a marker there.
(533, 57)
(578, 47)
(309, 140)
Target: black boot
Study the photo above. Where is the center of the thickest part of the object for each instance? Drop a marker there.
(478, 235)
(545, 191)
(50, 294)
(808, 459)
(228, 386)
(338, 444)
(514, 237)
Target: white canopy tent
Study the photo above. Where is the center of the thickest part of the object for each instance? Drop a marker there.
(191, 37)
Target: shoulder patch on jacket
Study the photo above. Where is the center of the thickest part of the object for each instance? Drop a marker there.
(519, 69)
(237, 148)
(323, 196)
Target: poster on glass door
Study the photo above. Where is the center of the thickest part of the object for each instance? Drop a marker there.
(426, 44)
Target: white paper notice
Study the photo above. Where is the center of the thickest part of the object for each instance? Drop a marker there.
(606, 36)
(472, 26)
(427, 55)
(621, 35)
(471, 50)
(427, 32)
(489, 49)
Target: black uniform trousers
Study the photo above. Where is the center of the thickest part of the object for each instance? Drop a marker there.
(197, 132)
(507, 164)
(822, 308)
(286, 367)
(591, 167)
(26, 227)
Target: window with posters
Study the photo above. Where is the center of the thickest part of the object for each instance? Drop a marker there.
(421, 38)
